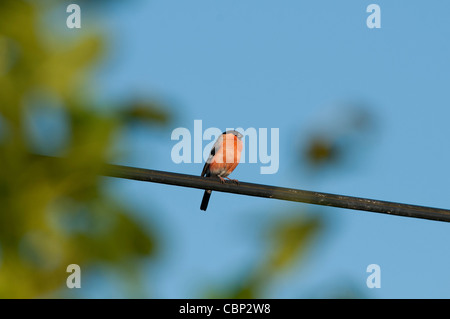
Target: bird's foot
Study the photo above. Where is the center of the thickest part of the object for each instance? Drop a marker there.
(233, 180)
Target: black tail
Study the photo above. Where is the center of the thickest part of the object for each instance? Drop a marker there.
(205, 200)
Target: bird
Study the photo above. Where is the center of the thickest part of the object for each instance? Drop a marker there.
(223, 159)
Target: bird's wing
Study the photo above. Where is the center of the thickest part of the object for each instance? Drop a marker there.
(205, 169)
(217, 145)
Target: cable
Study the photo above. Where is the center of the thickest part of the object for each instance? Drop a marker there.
(281, 193)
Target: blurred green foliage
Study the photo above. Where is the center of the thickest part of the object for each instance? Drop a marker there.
(287, 242)
(53, 214)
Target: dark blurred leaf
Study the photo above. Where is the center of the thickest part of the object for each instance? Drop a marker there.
(146, 112)
(337, 138)
(321, 150)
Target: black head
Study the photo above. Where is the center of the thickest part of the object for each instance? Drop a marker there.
(236, 133)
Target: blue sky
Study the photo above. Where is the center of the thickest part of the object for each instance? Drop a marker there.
(272, 64)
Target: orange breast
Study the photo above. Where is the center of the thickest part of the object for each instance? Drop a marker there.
(227, 157)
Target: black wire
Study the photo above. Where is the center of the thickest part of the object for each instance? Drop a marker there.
(281, 193)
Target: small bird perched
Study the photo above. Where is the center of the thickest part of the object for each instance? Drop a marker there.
(223, 159)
